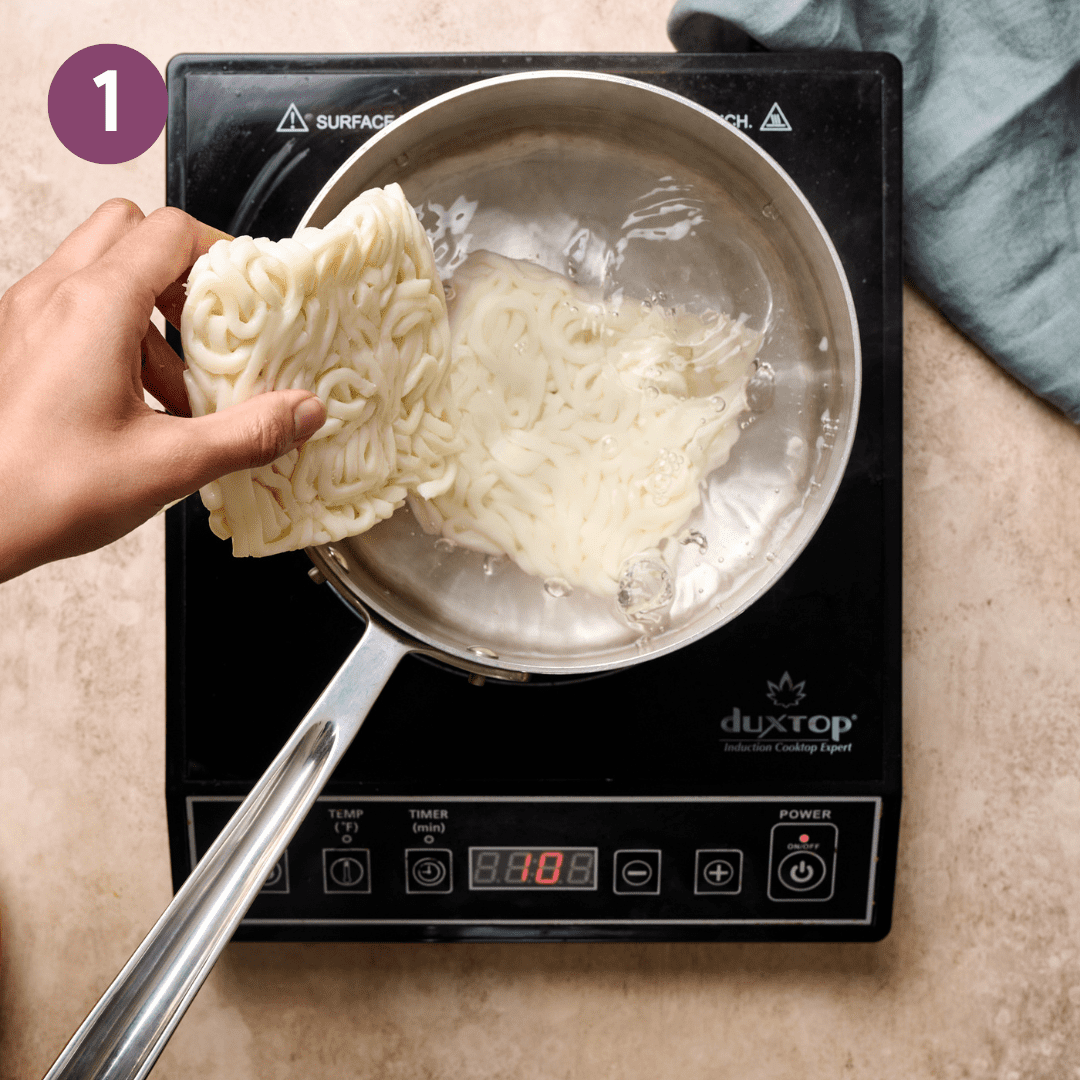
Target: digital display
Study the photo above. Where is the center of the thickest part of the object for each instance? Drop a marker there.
(537, 868)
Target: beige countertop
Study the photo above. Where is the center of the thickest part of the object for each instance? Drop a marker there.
(980, 976)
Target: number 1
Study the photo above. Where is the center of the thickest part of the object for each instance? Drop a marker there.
(108, 80)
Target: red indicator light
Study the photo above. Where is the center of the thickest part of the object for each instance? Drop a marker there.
(804, 839)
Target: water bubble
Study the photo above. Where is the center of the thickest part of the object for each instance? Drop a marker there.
(402, 160)
(520, 346)
(692, 536)
(444, 545)
(770, 557)
(761, 388)
(487, 654)
(646, 592)
(670, 461)
(652, 391)
(609, 446)
(830, 427)
(449, 293)
(492, 563)
(718, 403)
(770, 211)
(557, 586)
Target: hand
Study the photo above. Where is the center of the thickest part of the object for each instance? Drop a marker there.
(83, 458)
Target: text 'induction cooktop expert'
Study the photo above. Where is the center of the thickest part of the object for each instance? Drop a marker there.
(743, 787)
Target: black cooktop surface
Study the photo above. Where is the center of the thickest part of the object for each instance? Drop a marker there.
(798, 696)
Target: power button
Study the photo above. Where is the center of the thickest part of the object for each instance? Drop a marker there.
(802, 871)
(802, 861)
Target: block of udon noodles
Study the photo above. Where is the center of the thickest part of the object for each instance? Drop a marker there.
(354, 312)
(587, 424)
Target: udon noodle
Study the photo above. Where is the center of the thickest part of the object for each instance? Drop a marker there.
(354, 312)
(541, 421)
(587, 425)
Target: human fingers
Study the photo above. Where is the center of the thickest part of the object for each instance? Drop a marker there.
(163, 373)
(90, 240)
(192, 452)
(170, 302)
(155, 254)
(85, 244)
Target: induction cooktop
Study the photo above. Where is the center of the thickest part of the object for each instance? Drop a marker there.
(745, 787)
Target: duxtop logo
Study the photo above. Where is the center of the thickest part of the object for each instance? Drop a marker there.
(784, 730)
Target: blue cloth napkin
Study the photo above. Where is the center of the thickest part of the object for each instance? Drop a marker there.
(991, 156)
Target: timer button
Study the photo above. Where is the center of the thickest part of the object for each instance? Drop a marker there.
(637, 871)
(718, 870)
(429, 870)
(346, 870)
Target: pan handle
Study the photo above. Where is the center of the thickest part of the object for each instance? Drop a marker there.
(129, 1027)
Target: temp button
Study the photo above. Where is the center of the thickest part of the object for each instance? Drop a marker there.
(346, 870)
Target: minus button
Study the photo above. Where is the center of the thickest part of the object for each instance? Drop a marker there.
(637, 871)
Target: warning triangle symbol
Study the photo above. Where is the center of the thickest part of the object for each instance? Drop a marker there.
(292, 120)
(775, 121)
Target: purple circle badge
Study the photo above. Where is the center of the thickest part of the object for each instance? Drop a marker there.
(108, 104)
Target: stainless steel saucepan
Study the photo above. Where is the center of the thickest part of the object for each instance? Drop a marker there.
(629, 188)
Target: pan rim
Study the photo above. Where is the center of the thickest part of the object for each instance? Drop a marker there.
(326, 557)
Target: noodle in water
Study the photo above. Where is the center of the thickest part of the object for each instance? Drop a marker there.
(587, 426)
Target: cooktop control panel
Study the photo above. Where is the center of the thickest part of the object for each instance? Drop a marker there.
(399, 861)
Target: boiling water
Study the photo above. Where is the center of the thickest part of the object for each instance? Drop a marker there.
(634, 231)
(639, 229)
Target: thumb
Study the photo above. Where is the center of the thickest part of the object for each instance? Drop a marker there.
(243, 436)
